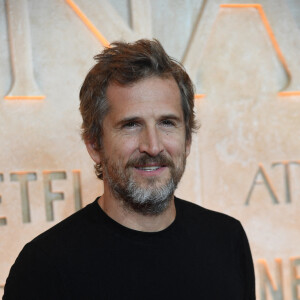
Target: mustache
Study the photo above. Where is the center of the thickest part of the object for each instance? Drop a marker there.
(145, 159)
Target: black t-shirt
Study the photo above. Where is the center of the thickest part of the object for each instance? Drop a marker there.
(201, 255)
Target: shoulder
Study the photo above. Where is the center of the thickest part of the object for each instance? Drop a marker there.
(49, 254)
(198, 216)
(73, 229)
(218, 230)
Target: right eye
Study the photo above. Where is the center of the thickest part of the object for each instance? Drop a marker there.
(130, 124)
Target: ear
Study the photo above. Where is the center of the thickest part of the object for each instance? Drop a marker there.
(188, 145)
(93, 151)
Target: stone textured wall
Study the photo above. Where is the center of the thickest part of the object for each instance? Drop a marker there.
(245, 161)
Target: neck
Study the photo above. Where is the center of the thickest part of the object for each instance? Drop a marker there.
(115, 209)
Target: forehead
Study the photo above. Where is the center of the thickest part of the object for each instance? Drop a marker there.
(154, 95)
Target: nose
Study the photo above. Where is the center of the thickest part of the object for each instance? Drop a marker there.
(150, 142)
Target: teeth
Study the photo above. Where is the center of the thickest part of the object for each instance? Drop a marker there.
(148, 169)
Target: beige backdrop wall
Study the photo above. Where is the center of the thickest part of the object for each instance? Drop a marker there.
(245, 160)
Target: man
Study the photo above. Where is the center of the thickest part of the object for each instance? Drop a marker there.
(137, 241)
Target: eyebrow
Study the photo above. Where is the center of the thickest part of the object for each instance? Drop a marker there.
(127, 120)
(136, 118)
(171, 116)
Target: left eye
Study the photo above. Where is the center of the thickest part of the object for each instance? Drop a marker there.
(167, 123)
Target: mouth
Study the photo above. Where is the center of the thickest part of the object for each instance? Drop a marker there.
(146, 166)
(149, 168)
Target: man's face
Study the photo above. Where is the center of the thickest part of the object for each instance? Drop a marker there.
(143, 143)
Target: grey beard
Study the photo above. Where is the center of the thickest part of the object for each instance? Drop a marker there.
(147, 201)
(152, 199)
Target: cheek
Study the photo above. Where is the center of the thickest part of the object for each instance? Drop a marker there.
(175, 146)
(123, 148)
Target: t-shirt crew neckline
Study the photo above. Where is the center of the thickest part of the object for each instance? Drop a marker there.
(123, 231)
